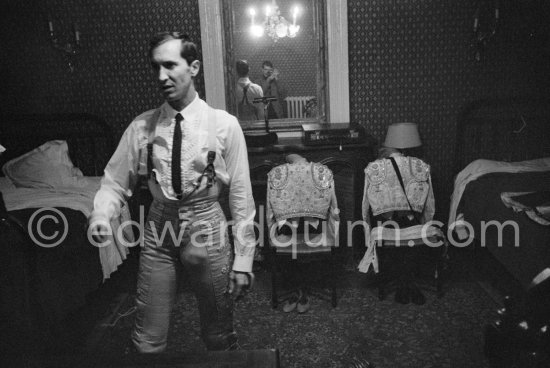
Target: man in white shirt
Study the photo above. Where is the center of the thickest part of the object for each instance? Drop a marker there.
(246, 92)
(185, 224)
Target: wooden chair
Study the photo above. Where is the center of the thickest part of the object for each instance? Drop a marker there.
(346, 184)
(302, 194)
(394, 234)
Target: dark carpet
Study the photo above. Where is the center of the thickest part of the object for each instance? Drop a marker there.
(445, 332)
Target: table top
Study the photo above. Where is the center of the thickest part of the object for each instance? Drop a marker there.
(285, 144)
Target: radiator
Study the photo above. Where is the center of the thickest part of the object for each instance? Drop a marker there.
(295, 106)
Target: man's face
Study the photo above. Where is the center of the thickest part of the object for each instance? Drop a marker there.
(174, 75)
(267, 71)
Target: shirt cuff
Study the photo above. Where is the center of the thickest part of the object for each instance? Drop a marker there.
(99, 215)
(243, 263)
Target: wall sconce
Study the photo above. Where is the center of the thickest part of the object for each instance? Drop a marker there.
(70, 49)
(481, 37)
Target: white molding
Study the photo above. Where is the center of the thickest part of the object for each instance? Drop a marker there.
(212, 52)
(337, 49)
(338, 72)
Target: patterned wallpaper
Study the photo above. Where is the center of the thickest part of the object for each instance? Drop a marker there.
(413, 61)
(111, 76)
(410, 60)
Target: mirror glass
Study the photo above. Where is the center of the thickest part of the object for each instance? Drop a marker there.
(295, 74)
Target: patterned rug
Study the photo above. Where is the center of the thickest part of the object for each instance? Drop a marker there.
(445, 332)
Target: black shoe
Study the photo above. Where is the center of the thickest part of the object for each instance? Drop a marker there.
(416, 295)
(402, 295)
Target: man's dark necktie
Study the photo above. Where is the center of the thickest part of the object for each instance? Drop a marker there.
(176, 157)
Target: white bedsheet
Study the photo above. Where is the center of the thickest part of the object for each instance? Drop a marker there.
(478, 168)
(77, 198)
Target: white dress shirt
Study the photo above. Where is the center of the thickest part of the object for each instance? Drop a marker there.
(231, 165)
(254, 91)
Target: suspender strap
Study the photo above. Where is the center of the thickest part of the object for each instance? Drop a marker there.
(151, 128)
(209, 171)
(245, 95)
(211, 117)
(396, 168)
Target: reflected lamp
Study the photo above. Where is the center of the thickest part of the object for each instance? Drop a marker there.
(274, 24)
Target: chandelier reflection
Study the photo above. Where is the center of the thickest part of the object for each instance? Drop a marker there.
(274, 24)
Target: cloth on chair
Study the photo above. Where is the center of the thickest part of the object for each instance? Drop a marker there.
(383, 194)
(405, 237)
(302, 190)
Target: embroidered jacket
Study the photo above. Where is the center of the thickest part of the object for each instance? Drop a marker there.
(383, 192)
(302, 190)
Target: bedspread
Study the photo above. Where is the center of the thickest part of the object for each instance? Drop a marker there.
(518, 243)
(479, 168)
(536, 205)
(78, 198)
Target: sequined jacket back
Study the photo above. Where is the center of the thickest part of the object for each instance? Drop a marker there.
(383, 192)
(301, 190)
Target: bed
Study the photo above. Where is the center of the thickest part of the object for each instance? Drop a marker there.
(503, 175)
(51, 170)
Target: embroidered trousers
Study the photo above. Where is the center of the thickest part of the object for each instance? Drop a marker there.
(195, 236)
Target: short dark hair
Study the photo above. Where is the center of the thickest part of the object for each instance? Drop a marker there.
(242, 68)
(267, 63)
(189, 50)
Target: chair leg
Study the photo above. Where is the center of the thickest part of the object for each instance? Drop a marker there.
(274, 298)
(380, 282)
(438, 283)
(334, 297)
(441, 266)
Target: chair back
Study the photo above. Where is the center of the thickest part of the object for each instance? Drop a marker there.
(346, 183)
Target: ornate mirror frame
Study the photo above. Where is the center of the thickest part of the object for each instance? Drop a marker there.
(336, 64)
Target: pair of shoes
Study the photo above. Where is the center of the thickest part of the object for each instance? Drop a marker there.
(402, 295)
(258, 256)
(303, 303)
(290, 303)
(416, 295)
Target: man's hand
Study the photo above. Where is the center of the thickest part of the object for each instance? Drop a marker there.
(274, 76)
(99, 229)
(240, 283)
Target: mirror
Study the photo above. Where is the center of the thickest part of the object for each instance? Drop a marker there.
(296, 64)
(303, 61)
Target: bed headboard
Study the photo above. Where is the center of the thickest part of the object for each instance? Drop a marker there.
(91, 141)
(505, 129)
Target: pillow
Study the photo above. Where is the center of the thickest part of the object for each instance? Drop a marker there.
(47, 166)
(5, 184)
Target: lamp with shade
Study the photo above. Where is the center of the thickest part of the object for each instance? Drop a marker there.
(402, 135)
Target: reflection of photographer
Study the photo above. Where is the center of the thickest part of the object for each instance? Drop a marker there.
(273, 86)
(272, 75)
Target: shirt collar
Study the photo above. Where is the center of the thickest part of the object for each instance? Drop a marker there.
(396, 154)
(190, 112)
(244, 81)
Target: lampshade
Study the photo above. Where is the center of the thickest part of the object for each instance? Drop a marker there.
(402, 135)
